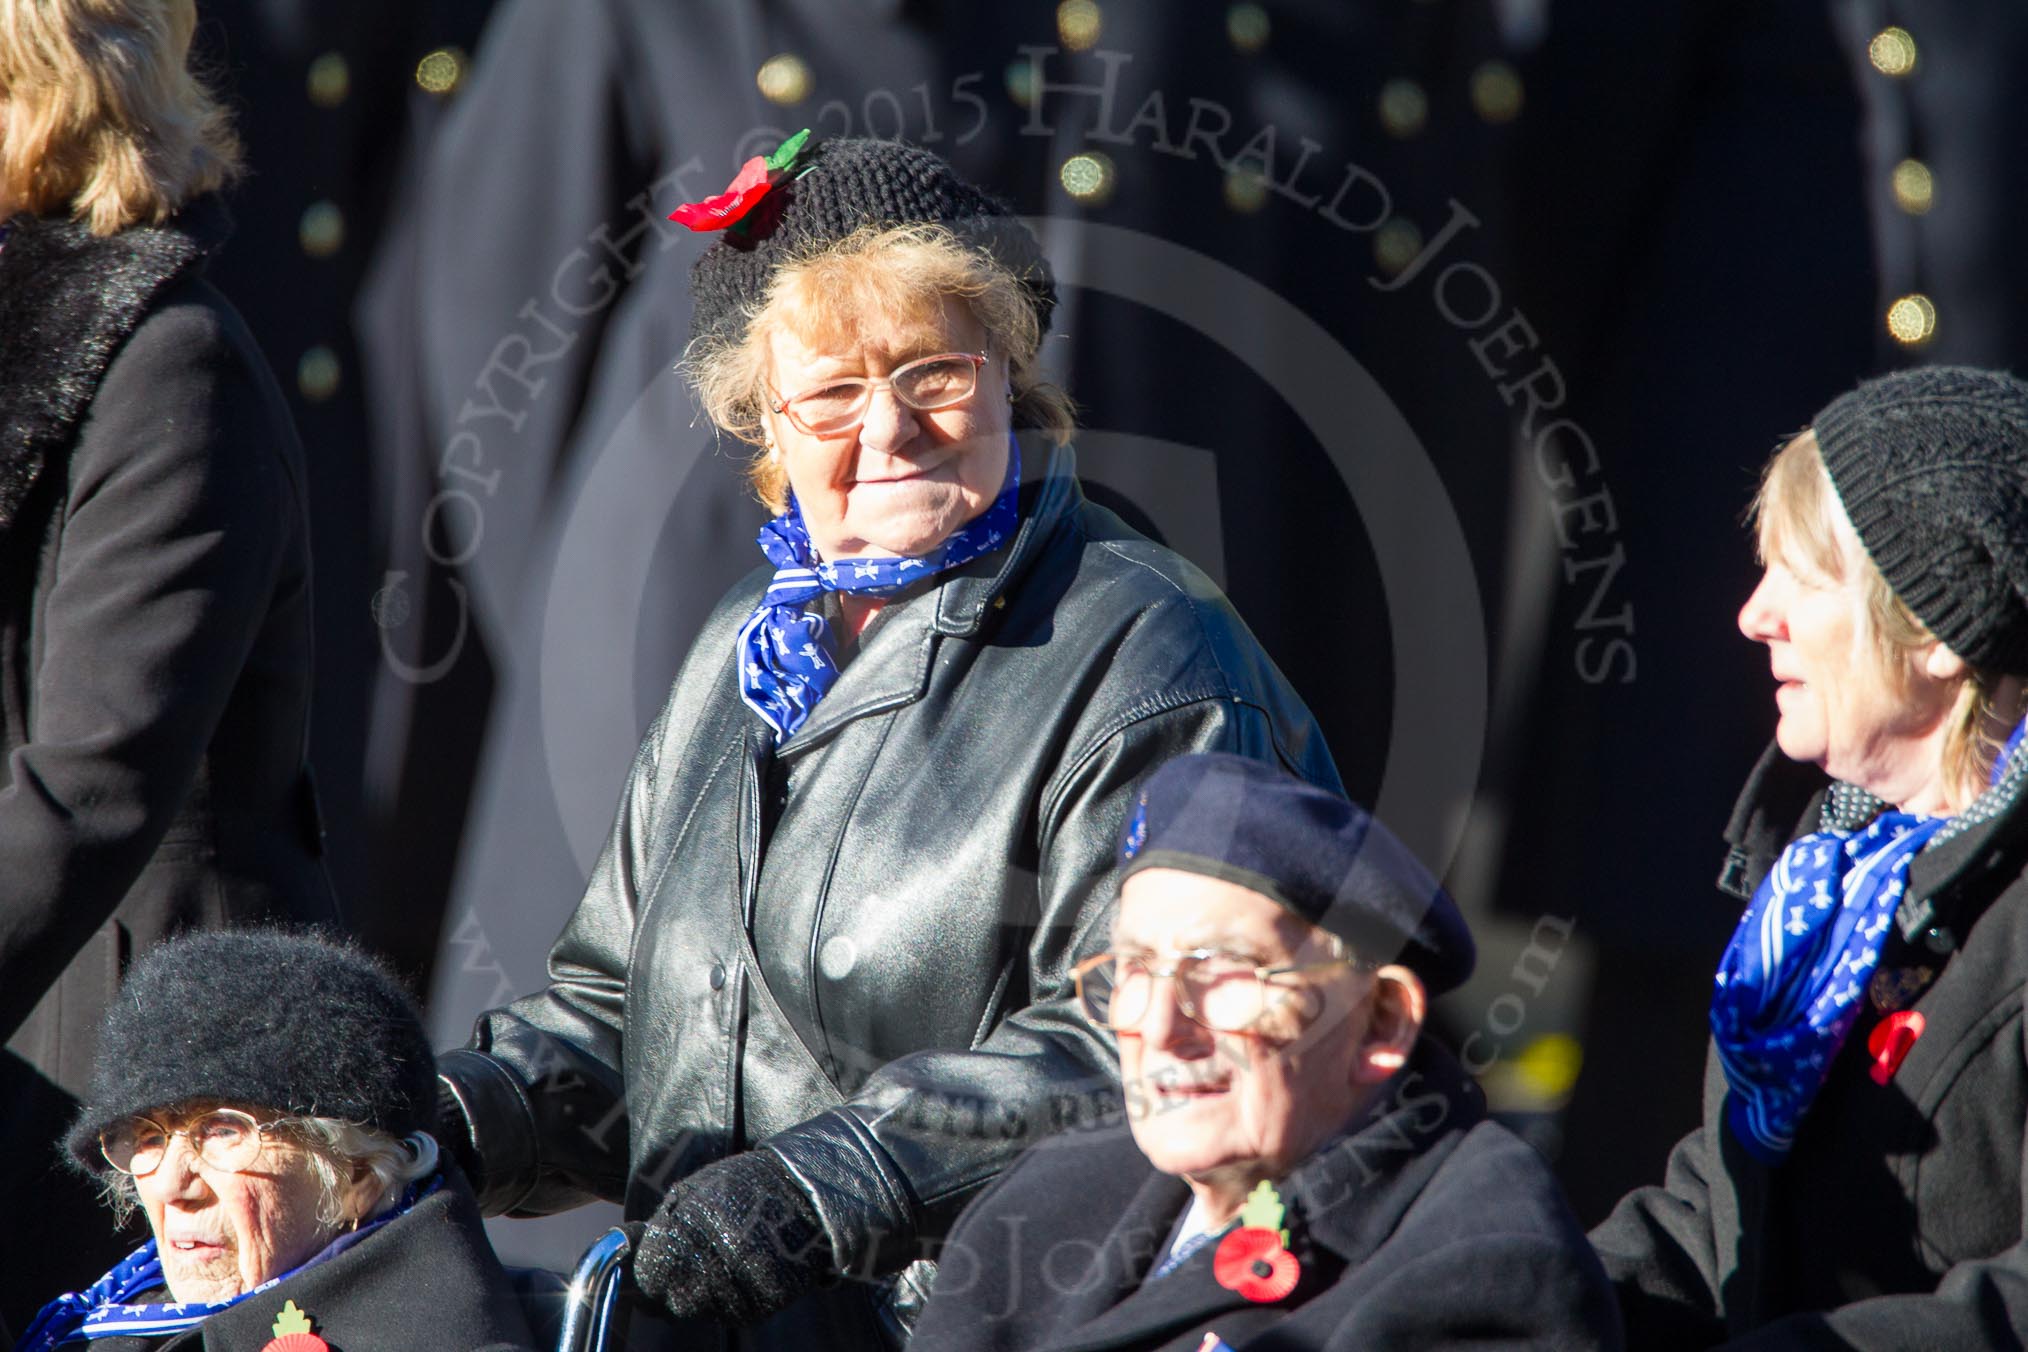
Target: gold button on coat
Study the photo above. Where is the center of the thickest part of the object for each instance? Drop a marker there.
(1078, 23)
(442, 71)
(1403, 107)
(1892, 52)
(1912, 320)
(318, 374)
(322, 229)
(1247, 26)
(1088, 177)
(1914, 187)
(784, 79)
(1496, 92)
(329, 80)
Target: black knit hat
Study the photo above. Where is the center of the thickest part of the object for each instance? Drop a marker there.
(1932, 467)
(835, 187)
(1307, 849)
(260, 1019)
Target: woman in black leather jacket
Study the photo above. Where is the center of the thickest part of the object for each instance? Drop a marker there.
(819, 991)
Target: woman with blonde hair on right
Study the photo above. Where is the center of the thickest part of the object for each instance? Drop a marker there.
(154, 580)
(1858, 1181)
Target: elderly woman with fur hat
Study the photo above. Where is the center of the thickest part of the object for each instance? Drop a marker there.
(1300, 1167)
(266, 1100)
(820, 988)
(1858, 1180)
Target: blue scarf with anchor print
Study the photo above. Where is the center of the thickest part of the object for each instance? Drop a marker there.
(1788, 988)
(110, 1308)
(787, 658)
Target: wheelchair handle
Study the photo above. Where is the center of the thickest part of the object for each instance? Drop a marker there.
(594, 1293)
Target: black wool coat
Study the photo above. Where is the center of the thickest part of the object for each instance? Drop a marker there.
(1896, 1220)
(425, 1280)
(1425, 1226)
(154, 666)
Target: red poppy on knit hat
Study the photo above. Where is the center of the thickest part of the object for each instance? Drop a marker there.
(756, 177)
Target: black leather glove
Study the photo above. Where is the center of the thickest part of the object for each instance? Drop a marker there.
(454, 1134)
(735, 1242)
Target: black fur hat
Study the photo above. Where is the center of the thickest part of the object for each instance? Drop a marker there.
(260, 1019)
(835, 187)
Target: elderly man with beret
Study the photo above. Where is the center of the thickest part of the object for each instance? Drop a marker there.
(1298, 1160)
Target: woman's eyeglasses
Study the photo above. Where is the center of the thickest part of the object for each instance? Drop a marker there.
(926, 385)
(1219, 991)
(225, 1138)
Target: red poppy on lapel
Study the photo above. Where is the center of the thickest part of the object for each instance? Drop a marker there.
(1891, 1040)
(1253, 1262)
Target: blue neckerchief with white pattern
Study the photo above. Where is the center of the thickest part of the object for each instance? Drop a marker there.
(1788, 988)
(787, 659)
(106, 1308)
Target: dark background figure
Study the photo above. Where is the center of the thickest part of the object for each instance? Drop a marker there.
(1690, 235)
(1940, 149)
(329, 100)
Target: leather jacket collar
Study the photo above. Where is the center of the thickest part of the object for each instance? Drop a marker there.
(964, 599)
(892, 668)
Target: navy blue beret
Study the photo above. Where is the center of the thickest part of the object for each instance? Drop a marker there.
(1323, 857)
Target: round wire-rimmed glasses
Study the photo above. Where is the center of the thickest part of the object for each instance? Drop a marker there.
(225, 1138)
(926, 385)
(1218, 991)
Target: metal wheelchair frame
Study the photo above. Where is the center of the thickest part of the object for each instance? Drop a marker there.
(594, 1294)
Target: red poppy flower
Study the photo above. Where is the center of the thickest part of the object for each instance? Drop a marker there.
(297, 1342)
(716, 213)
(1253, 1262)
(1891, 1040)
(752, 183)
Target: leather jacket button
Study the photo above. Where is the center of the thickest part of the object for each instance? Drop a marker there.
(717, 975)
(838, 956)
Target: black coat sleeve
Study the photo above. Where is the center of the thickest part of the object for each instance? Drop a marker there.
(174, 525)
(1660, 1249)
(1488, 1291)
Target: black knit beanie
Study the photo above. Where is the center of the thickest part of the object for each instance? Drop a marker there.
(260, 1019)
(1932, 467)
(835, 188)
